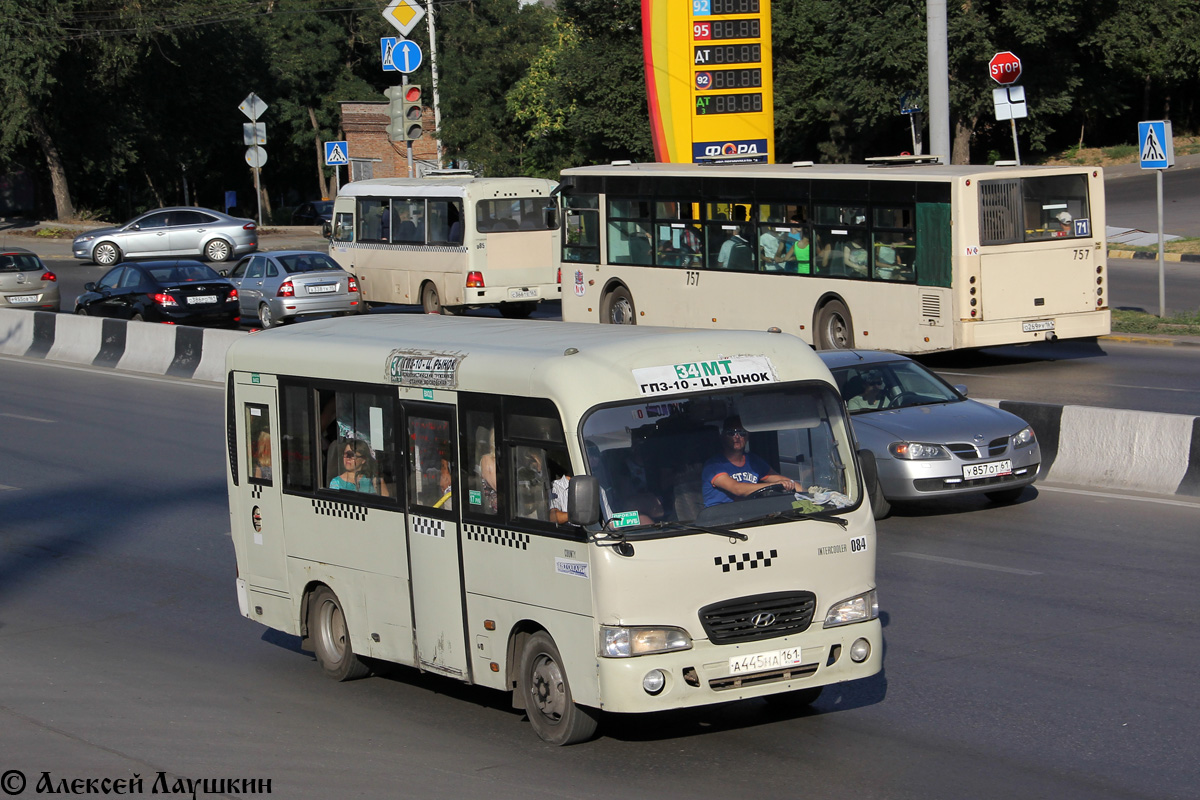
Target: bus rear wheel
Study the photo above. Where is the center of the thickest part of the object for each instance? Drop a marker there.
(331, 637)
(547, 695)
(834, 329)
(431, 302)
(617, 308)
(517, 310)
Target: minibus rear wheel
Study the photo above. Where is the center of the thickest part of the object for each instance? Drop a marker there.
(331, 637)
(548, 701)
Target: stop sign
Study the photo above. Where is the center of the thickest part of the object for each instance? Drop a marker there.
(1004, 68)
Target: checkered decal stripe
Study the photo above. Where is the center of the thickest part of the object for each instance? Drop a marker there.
(428, 527)
(256, 490)
(745, 560)
(408, 247)
(328, 508)
(499, 536)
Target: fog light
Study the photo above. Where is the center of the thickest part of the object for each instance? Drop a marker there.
(860, 651)
(654, 681)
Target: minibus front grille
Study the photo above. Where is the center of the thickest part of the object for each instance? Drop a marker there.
(758, 617)
(756, 678)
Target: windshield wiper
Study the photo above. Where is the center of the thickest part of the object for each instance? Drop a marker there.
(701, 528)
(795, 513)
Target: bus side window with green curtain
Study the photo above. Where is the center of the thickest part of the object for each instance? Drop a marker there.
(934, 249)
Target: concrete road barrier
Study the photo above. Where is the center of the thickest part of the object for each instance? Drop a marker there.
(1081, 445)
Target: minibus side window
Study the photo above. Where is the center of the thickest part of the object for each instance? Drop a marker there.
(297, 434)
(357, 442)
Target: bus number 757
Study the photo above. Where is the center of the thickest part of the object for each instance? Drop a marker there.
(693, 278)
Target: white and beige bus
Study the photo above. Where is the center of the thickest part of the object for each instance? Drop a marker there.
(449, 241)
(895, 255)
(523, 507)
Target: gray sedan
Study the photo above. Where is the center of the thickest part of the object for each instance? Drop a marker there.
(170, 232)
(25, 282)
(285, 284)
(927, 439)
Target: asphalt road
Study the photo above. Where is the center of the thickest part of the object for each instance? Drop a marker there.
(1131, 196)
(1045, 649)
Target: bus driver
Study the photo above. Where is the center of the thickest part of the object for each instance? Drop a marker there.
(735, 473)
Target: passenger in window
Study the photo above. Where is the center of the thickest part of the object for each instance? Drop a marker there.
(1066, 225)
(865, 392)
(358, 471)
(736, 253)
(736, 473)
(262, 455)
(856, 258)
(795, 251)
(558, 498)
(487, 472)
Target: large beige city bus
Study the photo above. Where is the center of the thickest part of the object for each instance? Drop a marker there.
(898, 254)
(449, 241)
(524, 507)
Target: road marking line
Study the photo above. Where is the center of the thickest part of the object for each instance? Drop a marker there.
(22, 416)
(975, 564)
(1166, 501)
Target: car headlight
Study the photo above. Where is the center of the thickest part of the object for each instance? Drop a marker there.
(628, 642)
(856, 609)
(84, 238)
(1022, 439)
(917, 451)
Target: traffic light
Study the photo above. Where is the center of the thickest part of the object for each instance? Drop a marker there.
(405, 112)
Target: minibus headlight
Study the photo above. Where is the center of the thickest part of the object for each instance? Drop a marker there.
(1023, 439)
(917, 451)
(856, 609)
(628, 642)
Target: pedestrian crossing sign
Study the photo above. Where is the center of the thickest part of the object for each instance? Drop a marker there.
(1156, 144)
(336, 154)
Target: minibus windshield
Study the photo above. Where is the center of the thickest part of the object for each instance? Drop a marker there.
(662, 461)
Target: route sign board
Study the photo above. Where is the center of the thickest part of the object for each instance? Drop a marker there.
(404, 15)
(1005, 68)
(400, 55)
(1156, 144)
(337, 154)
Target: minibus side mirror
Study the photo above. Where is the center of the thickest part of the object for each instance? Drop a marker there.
(583, 500)
(550, 217)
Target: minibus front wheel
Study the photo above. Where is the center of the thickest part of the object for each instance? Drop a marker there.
(547, 694)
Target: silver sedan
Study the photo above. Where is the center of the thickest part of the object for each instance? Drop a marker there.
(182, 231)
(926, 438)
(283, 285)
(25, 282)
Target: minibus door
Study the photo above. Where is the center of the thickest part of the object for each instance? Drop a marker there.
(260, 502)
(435, 557)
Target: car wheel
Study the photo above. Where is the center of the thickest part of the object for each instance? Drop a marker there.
(81, 311)
(617, 308)
(265, 320)
(331, 637)
(517, 310)
(431, 302)
(880, 507)
(137, 318)
(106, 254)
(1005, 496)
(547, 694)
(834, 330)
(218, 250)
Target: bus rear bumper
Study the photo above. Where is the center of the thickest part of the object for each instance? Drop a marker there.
(702, 675)
(534, 293)
(986, 333)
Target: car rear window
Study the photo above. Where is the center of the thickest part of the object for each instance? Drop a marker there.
(183, 273)
(314, 262)
(19, 262)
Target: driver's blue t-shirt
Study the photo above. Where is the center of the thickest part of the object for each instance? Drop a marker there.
(750, 472)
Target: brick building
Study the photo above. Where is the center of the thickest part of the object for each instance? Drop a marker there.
(372, 155)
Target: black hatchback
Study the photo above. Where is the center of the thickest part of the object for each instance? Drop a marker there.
(185, 292)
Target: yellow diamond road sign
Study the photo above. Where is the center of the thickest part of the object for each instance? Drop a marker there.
(404, 14)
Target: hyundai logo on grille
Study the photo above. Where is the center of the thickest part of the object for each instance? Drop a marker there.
(763, 619)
